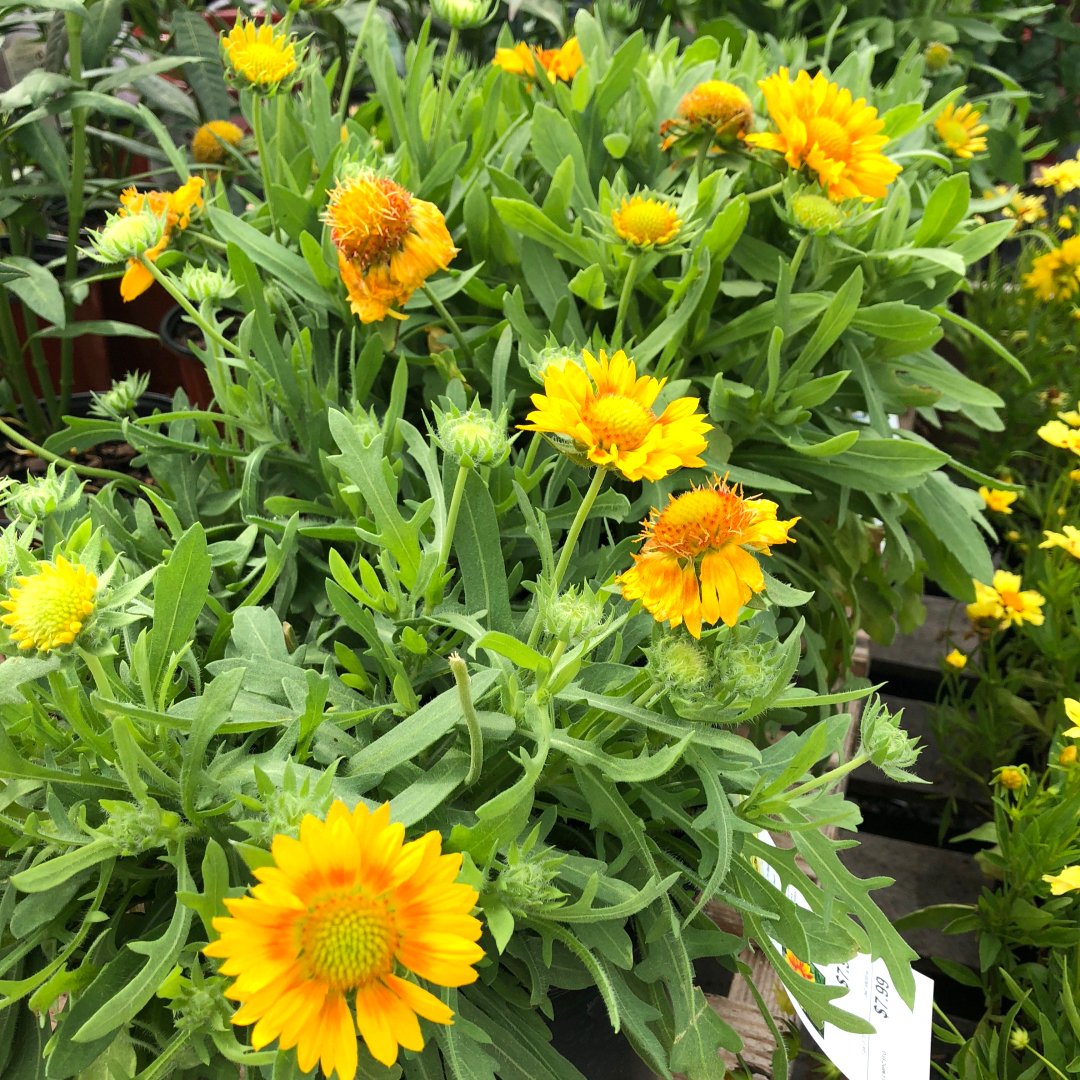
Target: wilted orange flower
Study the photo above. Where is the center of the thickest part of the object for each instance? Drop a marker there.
(561, 63)
(717, 108)
(696, 565)
(389, 243)
(340, 915)
(605, 409)
(822, 128)
(176, 207)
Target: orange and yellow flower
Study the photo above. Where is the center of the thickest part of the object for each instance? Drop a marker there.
(389, 243)
(696, 565)
(715, 108)
(340, 916)
(176, 207)
(646, 222)
(561, 63)
(258, 55)
(1006, 601)
(1056, 275)
(822, 128)
(208, 144)
(960, 130)
(605, 409)
(998, 501)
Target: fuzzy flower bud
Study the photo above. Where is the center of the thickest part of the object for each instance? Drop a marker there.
(137, 828)
(126, 237)
(553, 357)
(206, 282)
(816, 213)
(1019, 1038)
(746, 669)
(572, 614)
(887, 743)
(526, 880)
(937, 56)
(681, 665)
(41, 496)
(619, 14)
(462, 14)
(122, 398)
(475, 437)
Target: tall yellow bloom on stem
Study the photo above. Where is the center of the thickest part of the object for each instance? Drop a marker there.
(998, 501)
(960, 130)
(605, 409)
(176, 207)
(696, 565)
(389, 243)
(715, 108)
(562, 63)
(1006, 601)
(1061, 435)
(823, 129)
(258, 55)
(48, 609)
(337, 915)
(1056, 274)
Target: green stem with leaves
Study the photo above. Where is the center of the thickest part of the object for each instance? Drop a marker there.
(354, 60)
(450, 321)
(211, 332)
(765, 192)
(444, 86)
(11, 363)
(435, 588)
(624, 299)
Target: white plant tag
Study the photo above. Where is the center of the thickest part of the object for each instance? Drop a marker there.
(900, 1047)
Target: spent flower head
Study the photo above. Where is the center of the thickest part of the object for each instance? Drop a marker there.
(209, 144)
(1013, 778)
(937, 56)
(887, 743)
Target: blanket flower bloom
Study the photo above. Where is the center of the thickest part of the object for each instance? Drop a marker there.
(1056, 275)
(605, 409)
(822, 128)
(332, 917)
(254, 52)
(646, 222)
(48, 609)
(696, 565)
(717, 108)
(998, 501)
(960, 130)
(389, 243)
(1068, 540)
(561, 63)
(176, 208)
(1006, 601)
(209, 142)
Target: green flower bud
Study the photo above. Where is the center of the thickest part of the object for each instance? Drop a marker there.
(120, 400)
(1019, 1038)
(137, 828)
(126, 236)
(553, 357)
(887, 743)
(572, 614)
(206, 282)
(286, 802)
(746, 669)
(41, 496)
(1012, 777)
(680, 664)
(463, 14)
(816, 213)
(526, 880)
(937, 56)
(619, 14)
(474, 437)
(367, 425)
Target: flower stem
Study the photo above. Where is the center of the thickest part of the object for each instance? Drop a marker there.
(444, 84)
(354, 60)
(435, 587)
(826, 779)
(624, 300)
(189, 309)
(258, 124)
(440, 307)
(765, 192)
(472, 721)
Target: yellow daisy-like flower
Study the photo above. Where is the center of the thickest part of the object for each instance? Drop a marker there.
(960, 130)
(1056, 275)
(1062, 177)
(340, 911)
(176, 207)
(48, 609)
(998, 501)
(695, 565)
(1065, 222)
(1023, 209)
(209, 142)
(389, 243)
(1068, 540)
(1072, 712)
(1006, 601)
(1060, 435)
(956, 659)
(1070, 417)
(716, 108)
(561, 63)
(645, 222)
(263, 58)
(606, 409)
(1066, 881)
(822, 128)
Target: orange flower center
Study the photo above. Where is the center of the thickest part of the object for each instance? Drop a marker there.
(369, 218)
(348, 941)
(618, 421)
(701, 520)
(1011, 600)
(831, 137)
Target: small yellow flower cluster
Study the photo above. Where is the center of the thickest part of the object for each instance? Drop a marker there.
(1056, 274)
(1062, 177)
(1023, 209)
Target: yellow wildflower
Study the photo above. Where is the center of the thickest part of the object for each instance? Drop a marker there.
(998, 501)
(48, 608)
(960, 130)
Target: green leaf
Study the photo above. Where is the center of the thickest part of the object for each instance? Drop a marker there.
(834, 322)
(54, 872)
(517, 652)
(483, 571)
(634, 770)
(553, 138)
(897, 321)
(194, 37)
(529, 220)
(936, 500)
(37, 288)
(945, 209)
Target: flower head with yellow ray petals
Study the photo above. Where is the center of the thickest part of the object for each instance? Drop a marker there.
(333, 919)
(1061, 435)
(1056, 274)
(561, 63)
(208, 144)
(176, 207)
(1006, 601)
(720, 110)
(1072, 712)
(820, 127)
(1068, 540)
(389, 243)
(998, 501)
(696, 564)
(258, 55)
(960, 130)
(49, 608)
(1062, 177)
(1063, 882)
(956, 659)
(646, 222)
(606, 410)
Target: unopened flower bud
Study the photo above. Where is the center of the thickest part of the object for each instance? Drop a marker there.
(1019, 1038)
(474, 437)
(572, 614)
(137, 828)
(1012, 778)
(745, 669)
(126, 236)
(121, 400)
(206, 282)
(937, 56)
(41, 496)
(816, 213)
(553, 357)
(463, 14)
(1067, 756)
(681, 665)
(887, 743)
